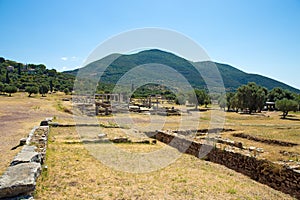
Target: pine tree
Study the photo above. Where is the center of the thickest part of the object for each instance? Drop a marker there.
(7, 80)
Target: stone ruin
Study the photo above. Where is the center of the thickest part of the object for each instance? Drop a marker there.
(19, 180)
(279, 176)
(106, 104)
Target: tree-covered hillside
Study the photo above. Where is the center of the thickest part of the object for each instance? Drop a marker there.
(22, 76)
(232, 77)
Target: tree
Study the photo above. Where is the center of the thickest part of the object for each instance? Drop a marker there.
(51, 72)
(229, 97)
(261, 97)
(278, 94)
(199, 97)
(43, 89)
(31, 90)
(222, 102)
(234, 103)
(297, 97)
(169, 95)
(7, 80)
(19, 69)
(180, 99)
(10, 89)
(215, 96)
(66, 91)
(2, 60)
(207, 100)
(227, 100)
(286, 105)
(1, 87)
(51, 85)
(289, 95)
(251, 97)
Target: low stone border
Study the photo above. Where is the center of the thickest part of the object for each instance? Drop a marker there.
(289, 153)
(19, 180)
(201, 132)
(267, 141)
(54, 124)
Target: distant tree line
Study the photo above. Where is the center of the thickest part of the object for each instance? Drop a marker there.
(248, 98)
(252, 98)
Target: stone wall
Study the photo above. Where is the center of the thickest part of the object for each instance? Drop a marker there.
(19, 180)
(279, 177)
(263, 140)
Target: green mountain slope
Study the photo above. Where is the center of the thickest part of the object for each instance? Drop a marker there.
(118, 65)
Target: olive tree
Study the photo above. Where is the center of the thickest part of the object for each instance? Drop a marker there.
(222, 102)
(10, 89)
(199, 97)
(251, 97)
(286, 105)
(31, 90)
(43, 89)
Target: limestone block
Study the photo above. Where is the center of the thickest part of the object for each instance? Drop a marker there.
(19, 179)
(26, 157)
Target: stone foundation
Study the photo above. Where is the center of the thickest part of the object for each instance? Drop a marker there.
(267, 141)
(279, 177)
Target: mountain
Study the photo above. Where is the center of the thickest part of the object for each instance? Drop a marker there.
(234, 78)
(119, 64)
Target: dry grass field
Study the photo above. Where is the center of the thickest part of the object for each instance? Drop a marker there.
(268, 125)
(74, 173)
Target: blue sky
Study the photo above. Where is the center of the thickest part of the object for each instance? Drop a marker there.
(257, 36)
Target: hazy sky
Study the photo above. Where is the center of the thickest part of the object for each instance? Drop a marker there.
(256, 36)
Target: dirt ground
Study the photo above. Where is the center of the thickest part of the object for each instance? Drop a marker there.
(18, 115)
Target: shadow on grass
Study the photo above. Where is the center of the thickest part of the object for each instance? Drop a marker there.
(6, 95)
(291, 119)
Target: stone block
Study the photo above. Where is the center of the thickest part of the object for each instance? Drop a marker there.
(23, 141)
(102, 135)
(121, 140)
(29, 148)
(26, 157)
(49, 119)
(19, 179)
(44, 123)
